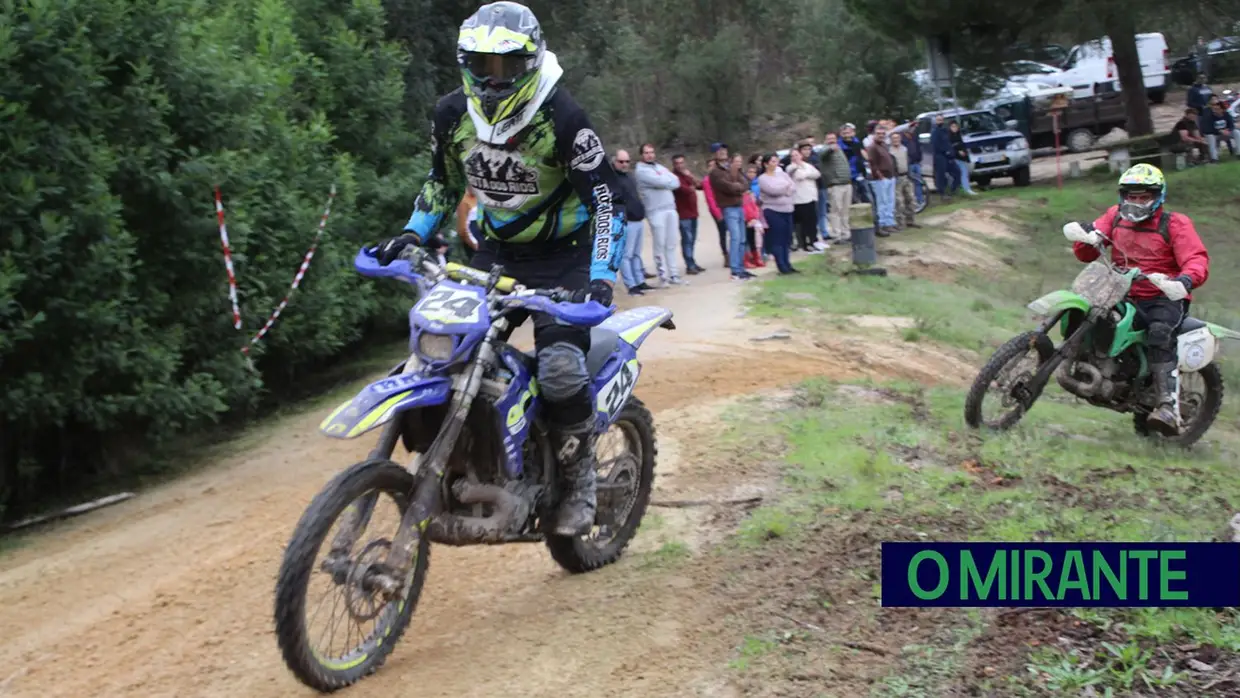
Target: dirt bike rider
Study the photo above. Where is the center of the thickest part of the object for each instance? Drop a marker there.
(550, 212)
(1165, 246)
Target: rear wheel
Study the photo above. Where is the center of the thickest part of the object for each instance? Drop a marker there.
(1080, 140)
(625, 480)
(1201, 398)
(375, 619)
(1010, 370)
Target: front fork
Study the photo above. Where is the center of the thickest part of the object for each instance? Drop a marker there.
(428, 469)
(1033, 389)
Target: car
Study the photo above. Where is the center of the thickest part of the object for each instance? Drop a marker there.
(1223, 63)
(1026, 72)
(996, 148)
(1090, 67)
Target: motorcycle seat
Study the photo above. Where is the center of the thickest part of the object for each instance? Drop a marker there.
(1189, 324)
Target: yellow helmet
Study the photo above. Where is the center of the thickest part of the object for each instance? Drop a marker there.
(500, 50)
(1141, 179)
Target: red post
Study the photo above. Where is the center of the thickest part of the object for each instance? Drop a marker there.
(1058, 169)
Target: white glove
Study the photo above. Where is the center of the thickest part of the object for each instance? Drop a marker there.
(1077, 233)
(1171, 288)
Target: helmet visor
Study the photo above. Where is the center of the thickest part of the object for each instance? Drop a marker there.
(496, 68)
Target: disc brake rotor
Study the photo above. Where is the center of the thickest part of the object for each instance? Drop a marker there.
(362, 596)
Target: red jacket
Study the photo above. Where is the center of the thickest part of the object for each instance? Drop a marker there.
(686, 196)
(1147, 250)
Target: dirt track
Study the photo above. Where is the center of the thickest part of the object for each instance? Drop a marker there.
(170, 594)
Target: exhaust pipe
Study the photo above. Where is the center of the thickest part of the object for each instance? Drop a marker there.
(452, 529)
(1081, 388)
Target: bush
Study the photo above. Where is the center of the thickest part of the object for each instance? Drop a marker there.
(120, 117)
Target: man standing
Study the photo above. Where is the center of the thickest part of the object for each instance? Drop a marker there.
(655, 184)
(851, 145)
(912, 143)
(883, 180)
(729, 187)
(713, 206)
(631, 268)
(945, 169)
(838, 177)
(687, 211)
(906, 203)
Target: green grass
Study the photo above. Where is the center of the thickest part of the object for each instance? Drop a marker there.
(1067, 473)
(899, 457)
(962, 317)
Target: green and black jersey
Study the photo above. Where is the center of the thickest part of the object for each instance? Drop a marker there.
(550, 182)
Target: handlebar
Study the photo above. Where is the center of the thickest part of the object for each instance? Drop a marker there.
(414, 270)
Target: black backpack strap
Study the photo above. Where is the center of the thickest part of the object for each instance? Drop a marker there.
(1164, 227)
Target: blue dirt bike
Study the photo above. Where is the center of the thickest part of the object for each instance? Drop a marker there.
(467, 402)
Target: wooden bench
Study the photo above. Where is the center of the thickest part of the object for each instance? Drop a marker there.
(1155, 149)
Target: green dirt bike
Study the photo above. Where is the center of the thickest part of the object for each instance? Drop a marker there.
(1102, 358)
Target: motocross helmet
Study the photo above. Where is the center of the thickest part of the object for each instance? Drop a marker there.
(500, 50)
(1146, 184)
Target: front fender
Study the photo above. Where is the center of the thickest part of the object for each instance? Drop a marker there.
(1057, 301)
(378, 402)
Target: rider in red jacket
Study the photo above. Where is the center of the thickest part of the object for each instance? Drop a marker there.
(1164, 246)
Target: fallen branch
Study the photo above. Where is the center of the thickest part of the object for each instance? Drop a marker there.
(687, 503)
(851, 644)
(70, 512)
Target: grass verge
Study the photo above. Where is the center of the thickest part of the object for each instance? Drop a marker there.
(874, 462)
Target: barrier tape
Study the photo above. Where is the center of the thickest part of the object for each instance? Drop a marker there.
(301, 274)
(232, 277)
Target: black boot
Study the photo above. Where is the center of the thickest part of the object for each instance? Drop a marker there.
(1165, 417)
(575, 455)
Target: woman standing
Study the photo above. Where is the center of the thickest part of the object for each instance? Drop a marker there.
(805, 199)
(962, 156)
(777, 190)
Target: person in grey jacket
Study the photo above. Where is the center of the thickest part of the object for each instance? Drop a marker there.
(655, 184)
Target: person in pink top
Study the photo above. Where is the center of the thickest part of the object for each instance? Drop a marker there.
(715, 211)
(777, 190)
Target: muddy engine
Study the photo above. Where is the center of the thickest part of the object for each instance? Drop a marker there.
(1102, 380)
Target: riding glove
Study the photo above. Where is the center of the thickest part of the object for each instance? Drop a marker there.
(1076, 232)
(391, 250)
(599, 291)
(1175, 289)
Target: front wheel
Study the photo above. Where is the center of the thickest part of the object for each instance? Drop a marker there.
(354, 575)
(1198, 408)
(1005, 368)
(624, 484)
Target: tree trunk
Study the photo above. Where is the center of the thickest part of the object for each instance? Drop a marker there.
(1123, 35)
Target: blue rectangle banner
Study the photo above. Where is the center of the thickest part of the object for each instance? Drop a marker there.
(1099, 575)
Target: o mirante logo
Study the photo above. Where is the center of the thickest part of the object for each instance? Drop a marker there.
(1061, 574)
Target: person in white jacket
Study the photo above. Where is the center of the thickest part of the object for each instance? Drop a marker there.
(805, 199)
(655, 184)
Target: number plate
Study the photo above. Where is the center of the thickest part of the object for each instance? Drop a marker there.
(991, 158)
(452, 305)
(615, 392)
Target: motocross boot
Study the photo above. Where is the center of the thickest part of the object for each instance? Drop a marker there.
(1165, 418)
(575, 455)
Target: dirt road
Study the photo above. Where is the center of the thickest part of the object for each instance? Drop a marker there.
(170, 594)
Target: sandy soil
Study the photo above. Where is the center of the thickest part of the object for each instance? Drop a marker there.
(170, 594)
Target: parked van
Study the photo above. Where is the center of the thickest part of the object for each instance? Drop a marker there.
(1091, 64)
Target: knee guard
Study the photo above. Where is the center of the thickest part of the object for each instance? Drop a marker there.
(1160, 335)
(562, 371)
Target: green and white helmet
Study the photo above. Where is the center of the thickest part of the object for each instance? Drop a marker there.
(500, 50)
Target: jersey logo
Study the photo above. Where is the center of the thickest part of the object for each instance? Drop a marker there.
(500, 178)
(587, 151)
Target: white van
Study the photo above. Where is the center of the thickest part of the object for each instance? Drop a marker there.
(1091, 64)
